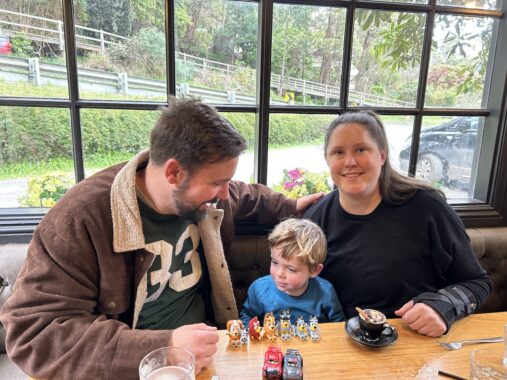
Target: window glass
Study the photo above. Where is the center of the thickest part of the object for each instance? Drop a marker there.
(120, 49)
(482, 4)
(459, 60)
(296, 152)
(31, 49)
(398, 131)
(307, 54)
(36, 166)
(245, 125)
(113, 136)
(386, 58)
(403, 1)
(216, 50)
(448, 153)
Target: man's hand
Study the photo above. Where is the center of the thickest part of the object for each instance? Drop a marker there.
(303, 202)
(422, 318)
(200, 339)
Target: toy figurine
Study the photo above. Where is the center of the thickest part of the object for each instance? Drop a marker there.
(285, 328)
(245, 336)
(255, 329)
(270, 326)
(234, 328)
(301, 328)
(314, 328)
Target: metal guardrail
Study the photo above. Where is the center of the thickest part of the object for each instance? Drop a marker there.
(30, 70)
(103, 40)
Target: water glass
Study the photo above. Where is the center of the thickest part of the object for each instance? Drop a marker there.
(168, 363)
(505, 345)
(487, 363)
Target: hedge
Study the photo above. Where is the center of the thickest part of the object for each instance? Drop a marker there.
(29, 134)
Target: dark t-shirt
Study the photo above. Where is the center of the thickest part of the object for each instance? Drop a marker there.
(384, 259)
(177, 281)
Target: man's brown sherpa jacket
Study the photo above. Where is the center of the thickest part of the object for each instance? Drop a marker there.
(77, 297)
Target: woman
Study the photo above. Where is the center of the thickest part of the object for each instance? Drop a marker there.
(394, 244)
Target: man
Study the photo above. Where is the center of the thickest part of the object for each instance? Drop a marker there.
(131, 258)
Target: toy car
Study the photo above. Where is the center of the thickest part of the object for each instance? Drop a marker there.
(272, 368)
(292, 365)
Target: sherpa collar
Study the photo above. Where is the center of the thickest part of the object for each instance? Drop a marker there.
(127, 224)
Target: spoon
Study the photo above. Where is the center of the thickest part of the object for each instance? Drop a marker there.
(362, 314)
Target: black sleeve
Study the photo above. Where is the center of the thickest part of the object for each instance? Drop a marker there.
(467, 283)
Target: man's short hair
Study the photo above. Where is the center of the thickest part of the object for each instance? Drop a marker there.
(193, 133)
(301, 239)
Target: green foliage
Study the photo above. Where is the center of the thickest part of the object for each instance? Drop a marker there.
(143, 55)
(298, 182)
(113, 16)
(45, 190)
(297, 129)
(38, 134)
(22, 46)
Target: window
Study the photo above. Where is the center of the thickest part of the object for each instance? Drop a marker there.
(81, 81)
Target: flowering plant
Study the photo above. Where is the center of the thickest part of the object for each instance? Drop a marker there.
(45, 190)
(300, 182)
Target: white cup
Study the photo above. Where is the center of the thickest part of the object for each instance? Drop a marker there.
(487, 363)
(168, 363)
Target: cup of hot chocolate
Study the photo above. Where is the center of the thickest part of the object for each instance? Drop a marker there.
(373, 324)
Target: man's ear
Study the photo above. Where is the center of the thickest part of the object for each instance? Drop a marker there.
(317, 270)
(173, 172)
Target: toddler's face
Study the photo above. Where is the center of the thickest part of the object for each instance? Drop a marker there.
(290, 276)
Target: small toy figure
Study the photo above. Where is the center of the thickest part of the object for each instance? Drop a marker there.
(292, 365)
(314, 328)
(255, 329)
(234, 328)
(301, 328)
(273, 359)
(245, 336)
(285, 328)
(270, 326)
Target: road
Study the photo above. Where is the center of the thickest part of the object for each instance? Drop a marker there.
(307, 157)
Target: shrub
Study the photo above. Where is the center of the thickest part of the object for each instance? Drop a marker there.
(300, 182)
(45, 190)
(22, 45)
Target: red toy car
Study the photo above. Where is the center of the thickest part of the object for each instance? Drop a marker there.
(272, 368)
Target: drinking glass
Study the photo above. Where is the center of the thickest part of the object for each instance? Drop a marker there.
(487, 363)
(505, 345)
(168, 363)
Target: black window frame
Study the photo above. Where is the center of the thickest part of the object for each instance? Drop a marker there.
(17, 224)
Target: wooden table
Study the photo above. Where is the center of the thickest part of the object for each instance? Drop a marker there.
(337, 356)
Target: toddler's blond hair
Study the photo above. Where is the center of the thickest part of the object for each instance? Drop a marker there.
(301, 239)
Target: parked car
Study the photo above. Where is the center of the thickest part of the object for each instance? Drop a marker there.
(5, 45)
(292, 365)
(273, 359)
(445, 152)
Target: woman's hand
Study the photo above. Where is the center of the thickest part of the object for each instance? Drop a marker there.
(422, 318)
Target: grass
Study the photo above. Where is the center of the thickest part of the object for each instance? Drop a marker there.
(92, 163)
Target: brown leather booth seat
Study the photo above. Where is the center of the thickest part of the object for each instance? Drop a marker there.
(249, 258)
(490, 247)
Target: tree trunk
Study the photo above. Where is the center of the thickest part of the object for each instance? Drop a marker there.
(328, 54)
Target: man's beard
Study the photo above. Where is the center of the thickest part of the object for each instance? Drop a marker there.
(185, 209)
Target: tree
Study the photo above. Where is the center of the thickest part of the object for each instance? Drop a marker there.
(113, 16)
